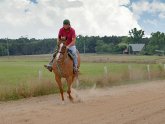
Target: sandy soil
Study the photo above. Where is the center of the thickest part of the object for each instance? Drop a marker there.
(142, 103)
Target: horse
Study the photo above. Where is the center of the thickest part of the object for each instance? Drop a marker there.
(63, 68)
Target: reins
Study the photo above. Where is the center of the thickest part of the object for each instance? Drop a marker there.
(59, 64)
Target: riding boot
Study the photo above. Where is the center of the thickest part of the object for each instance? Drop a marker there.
(75, 69)
(50, 65)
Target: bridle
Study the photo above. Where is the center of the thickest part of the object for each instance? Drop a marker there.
(61, 51)
(59, 61)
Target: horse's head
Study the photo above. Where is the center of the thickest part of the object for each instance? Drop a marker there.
(61, 51)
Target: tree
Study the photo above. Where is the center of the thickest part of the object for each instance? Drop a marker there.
(156, 42)
(89, 44)
(136, 36)
(122, 46)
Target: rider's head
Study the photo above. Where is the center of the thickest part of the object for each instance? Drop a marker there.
(66, 24)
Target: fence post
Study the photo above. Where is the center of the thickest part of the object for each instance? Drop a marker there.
(149, 73)
(130, 71)
(39, 74)
(106, 72)
(77, 82)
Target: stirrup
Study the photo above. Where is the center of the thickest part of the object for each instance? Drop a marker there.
(49, 67)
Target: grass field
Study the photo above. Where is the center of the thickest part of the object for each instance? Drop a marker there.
(25, 76)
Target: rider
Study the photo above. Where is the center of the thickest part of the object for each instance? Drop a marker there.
(67, 33)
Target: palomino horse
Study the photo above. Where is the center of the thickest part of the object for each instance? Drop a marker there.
(63, 68)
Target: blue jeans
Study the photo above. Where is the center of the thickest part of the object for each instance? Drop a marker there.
(74, 52)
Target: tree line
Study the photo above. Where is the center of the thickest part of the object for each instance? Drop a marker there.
(86, 44)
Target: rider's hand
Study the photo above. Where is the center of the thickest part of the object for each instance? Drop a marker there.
(67, 47)
(63, 38)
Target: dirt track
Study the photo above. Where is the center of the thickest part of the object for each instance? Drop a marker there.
(142, 103)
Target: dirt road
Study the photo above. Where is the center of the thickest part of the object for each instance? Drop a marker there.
(142, 103)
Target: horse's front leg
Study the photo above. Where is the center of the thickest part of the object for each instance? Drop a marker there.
(58, 80)
(69, 83)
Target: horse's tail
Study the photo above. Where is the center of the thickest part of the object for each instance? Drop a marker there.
(76, 76)
(78, 58)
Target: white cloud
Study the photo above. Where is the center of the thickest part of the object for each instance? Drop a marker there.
(162, 15)
(152, 22)
(88, 17)
(153, 7)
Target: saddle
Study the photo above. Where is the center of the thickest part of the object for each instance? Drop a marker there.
(70, 54)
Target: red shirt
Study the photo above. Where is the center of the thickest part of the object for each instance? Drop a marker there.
(68, 34)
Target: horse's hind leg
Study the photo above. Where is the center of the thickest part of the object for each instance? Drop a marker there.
(69, 82)
(58, 80)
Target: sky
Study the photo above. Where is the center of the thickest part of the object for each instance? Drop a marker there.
(43, 18)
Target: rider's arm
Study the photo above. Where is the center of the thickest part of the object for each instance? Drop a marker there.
(73, 39)
(72, 43)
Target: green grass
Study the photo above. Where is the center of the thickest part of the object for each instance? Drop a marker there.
(14, 73)
(19, 72)
(19, 76)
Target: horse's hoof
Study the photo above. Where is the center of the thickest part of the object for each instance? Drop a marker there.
(70, 98)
